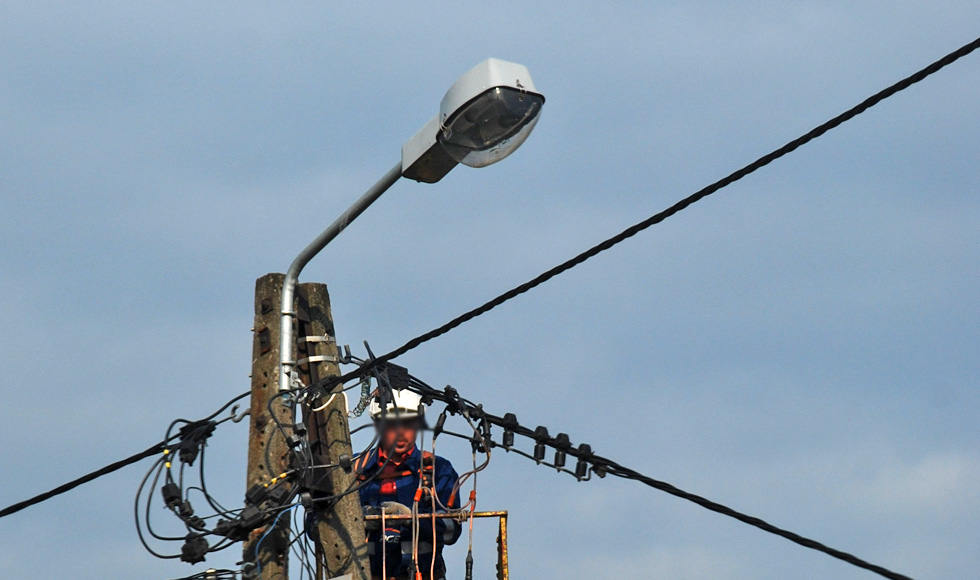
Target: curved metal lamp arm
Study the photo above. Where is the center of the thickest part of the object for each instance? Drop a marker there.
(287, 326)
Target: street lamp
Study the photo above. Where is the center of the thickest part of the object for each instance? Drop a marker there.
(484, 116)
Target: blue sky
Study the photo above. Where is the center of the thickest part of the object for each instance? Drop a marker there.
(801, 346)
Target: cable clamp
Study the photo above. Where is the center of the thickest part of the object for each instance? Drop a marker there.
(317, 358)
(320, 338)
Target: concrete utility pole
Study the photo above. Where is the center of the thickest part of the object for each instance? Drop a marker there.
(264, 438)
(342, 549)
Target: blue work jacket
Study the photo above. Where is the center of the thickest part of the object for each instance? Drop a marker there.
(400, 487)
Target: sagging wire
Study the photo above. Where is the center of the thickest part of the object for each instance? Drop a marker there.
(191, 441)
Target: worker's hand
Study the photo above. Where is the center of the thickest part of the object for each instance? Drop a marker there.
(393, 508)
(371, 525)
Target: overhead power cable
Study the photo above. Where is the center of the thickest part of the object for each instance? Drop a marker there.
(626, 473)
(602, 466)
(149, 452)
(670, 211)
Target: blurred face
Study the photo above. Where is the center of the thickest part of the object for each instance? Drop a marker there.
(399, 436)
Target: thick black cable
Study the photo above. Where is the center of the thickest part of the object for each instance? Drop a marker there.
(670, 211)
(626, 473)
(603, 466)
(149, 452)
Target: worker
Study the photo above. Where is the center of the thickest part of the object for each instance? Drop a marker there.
(389, 476)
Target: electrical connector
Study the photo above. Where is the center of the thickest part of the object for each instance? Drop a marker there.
(539, 452)
(192, 438)
(345, 462)
(562, 445)
(196, 522)
(279, 494)
(251, 518)
(584, 455)
(256, 494)
(440, 425)
(510, 423)
(171, 495)
(541, 436)
(194, 548)
(230, 529)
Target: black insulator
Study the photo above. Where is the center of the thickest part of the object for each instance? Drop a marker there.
(581, 468)
(539, 451)
(562, 445)
(559, 458)
(542, 438)
(469, 565)
(508, 438)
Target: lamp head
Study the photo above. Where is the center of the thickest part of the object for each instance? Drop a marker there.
(485, 116)
(488, 112)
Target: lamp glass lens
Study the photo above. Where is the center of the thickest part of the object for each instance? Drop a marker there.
(491, 126)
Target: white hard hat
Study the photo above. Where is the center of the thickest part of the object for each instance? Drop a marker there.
(406, 405)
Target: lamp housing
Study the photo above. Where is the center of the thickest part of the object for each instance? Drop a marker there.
(484, 117)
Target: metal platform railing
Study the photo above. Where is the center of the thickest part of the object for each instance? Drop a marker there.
(502, 567)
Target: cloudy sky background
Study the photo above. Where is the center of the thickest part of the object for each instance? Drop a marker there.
(801, 346)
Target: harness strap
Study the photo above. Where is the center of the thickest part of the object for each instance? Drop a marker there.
(426, 472)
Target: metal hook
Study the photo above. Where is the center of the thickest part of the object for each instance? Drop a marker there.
(238, 418)
(346, 357)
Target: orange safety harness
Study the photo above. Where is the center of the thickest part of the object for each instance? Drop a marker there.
(426, 473)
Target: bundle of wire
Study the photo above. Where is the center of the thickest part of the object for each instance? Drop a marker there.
(205, 532)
